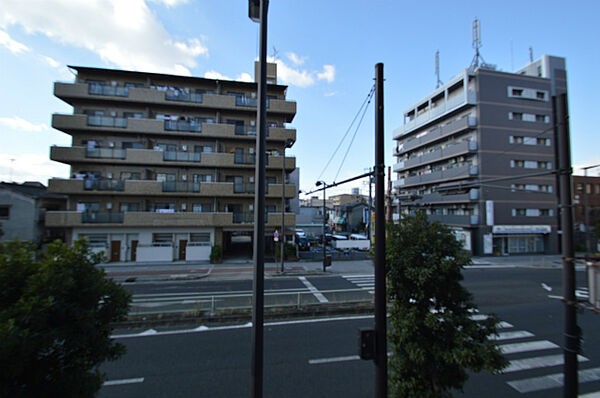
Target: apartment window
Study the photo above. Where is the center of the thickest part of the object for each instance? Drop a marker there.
(165, 177)
(201, 208)
(546, 212)
(133, 115)
(270, 209)
(588, 188)
(203, 148)
(518, 212)
(544, 165)
(543, 141)
(540, 118)
(4, 212)
(130, 175)
(202, 178)
(123, 207)
(96, 240)
(163, 207)
(530, 164)
(517, 92)
(579, 187)
(541, 95)
(529, 141)
(200, 237)
(162, 238)
(136, 85)
(515, 116)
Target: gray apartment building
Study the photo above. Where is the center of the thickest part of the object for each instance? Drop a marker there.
(482, 125)
(163, 166)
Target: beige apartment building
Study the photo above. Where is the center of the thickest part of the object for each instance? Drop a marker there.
(162, 166)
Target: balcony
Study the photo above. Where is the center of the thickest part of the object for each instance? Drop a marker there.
(432, 198)
(176, 156)
(453, 219)
(176, 95)
(438, 176)
(104, 185)
(180, 125)
(246, 158)
(75, 92)
(105, 153)
(437, 155)
(107, 121)
(101, 218)
(180, 186)
(437, 133)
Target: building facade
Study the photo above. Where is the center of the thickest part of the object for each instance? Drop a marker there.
(163, 166)
(478, 153)
(586, 198)
(23, 210)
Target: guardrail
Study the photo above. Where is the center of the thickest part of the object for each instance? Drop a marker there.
(242, 302)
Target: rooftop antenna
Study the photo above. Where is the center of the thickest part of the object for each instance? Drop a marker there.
(275, 53)
(530, 54)
(476, 31)
(437, 69)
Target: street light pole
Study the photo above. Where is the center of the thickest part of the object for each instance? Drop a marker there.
(258, 10)
(324, 221)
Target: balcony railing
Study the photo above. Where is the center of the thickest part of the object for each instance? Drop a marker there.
(105, 153)
(101, 218)
(183, 96)
(245, 101)
(181, 125)
(245, 158)
(107, 121)
(181, 156)
(180, 186)
(243, 218)
(104, 185)
(99, 89)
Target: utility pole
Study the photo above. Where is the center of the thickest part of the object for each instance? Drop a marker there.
(325, 263)
(380, 294)
(370, 221)
(258, 10)
(571, 332)
(282, 240)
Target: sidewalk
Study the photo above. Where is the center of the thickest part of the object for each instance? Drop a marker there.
(243, 269)
(228, 270)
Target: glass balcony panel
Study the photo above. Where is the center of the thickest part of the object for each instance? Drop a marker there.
(98, 89)
(100, 217)
(105, 153)
(176, 95)
(107, 121)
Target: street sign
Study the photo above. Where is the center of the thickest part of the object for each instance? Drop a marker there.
(276, 236)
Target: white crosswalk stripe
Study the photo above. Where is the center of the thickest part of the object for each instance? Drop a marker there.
(365, 282)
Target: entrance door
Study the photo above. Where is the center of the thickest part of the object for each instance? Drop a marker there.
(115, 250)
(134, 244)
(182, 249)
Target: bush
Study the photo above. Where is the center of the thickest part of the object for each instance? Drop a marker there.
(55, 320)
(216, 253)
(433, 338)
(289, 250)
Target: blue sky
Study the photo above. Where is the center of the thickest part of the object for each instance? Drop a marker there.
(326, 52)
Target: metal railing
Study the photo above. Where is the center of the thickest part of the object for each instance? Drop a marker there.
(245, 101)
(213, 304)
(183, 96)
(103, 185)
(245, 158)
(107, 121)
(181, 156)
(99, 89)
(181, 125)
(180, 186)
(98, 217)
(108, 153)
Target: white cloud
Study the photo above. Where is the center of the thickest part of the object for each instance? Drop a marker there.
(170, 3)
(30, 167)
(327, 74)
(245, 77)
(296, 60)
(330, 93)
(578, 167)
(17, 123)
(301, 77)
(125, 34)
(13, 46)
(242, 77)
(50, 61)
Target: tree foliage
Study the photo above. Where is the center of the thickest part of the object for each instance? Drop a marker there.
(433, 337)
(55, 320)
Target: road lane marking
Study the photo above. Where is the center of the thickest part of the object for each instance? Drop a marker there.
(515, 348)
(333, 359)
(511, 335)
(313, 290)
(552, 381)
(203, 328)
(546, 287)
(123, 381)
(538, 362)
(591, 395)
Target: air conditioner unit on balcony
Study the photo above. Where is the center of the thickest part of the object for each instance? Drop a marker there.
(251, 150)
(251, 179)
(252, 123)
(113, 114)
(111, 144)
(108, 205)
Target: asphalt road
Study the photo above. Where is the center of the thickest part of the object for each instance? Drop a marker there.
(318, 358)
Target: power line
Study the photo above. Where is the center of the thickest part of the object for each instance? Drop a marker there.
(347, 131)
(355, 131)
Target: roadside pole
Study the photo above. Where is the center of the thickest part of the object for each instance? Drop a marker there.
(571, 334)
(380, 293)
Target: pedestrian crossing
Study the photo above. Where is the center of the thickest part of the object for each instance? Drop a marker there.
(527, 354)
(365, 282)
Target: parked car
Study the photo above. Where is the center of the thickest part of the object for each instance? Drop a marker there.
(303, 243)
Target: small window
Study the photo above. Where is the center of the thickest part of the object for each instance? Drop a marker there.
(517, 92)
(540, 118)
(4, 212)
(200, 237)
(162, 238)
(201, 208)
(540, 95)
(517, 115)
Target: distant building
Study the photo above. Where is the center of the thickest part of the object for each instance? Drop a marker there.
(586, 196)
(163, 166)
(23, 210)
(485, 124)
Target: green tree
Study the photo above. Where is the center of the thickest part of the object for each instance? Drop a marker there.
(433, 337)
(55, 320)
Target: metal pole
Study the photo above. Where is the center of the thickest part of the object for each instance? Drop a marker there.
(586, 209)
(259, 214)
(282, 240)
(380, 294)
(566, 215)
(370, 209)
(324, 239)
